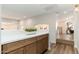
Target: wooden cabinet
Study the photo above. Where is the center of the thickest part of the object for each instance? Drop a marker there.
(35, 45)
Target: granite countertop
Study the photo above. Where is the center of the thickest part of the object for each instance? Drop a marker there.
(11, 36)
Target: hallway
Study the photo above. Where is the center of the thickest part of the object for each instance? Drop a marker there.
(64, 45)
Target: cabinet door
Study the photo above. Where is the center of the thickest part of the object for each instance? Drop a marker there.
(17, 51)
(30, 49)
(39, 46)
(45, 43)
(42, 44)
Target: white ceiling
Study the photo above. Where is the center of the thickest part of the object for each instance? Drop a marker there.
(30, 10)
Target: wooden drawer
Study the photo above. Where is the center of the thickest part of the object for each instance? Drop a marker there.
(30, 40)
(17, 51)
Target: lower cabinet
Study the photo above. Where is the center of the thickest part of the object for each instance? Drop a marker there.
(34, 45)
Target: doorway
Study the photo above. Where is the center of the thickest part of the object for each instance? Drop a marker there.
(65, 29)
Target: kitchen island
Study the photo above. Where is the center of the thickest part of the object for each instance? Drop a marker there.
(22, 43)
